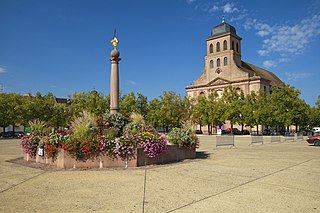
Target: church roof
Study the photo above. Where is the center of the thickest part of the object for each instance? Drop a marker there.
(223, 28)
(265, 74)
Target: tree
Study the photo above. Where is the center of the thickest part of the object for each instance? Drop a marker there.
(10, 110)
(154, 110)
(233, 100)
(92, 102)
(38, 107)
(127, 104)
(314, 117)
(283, 106)
(201, 111)
(318, 102)
(216, 108)
(142, 105)
(169, 110)
(61, 116)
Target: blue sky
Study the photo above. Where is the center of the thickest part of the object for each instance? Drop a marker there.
(64, 46)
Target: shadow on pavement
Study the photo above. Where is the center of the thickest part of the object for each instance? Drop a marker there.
(202, 155)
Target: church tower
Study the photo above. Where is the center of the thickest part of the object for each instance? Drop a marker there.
(223, 52)
(223, 66)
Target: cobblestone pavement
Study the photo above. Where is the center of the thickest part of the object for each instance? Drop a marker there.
(277, 177)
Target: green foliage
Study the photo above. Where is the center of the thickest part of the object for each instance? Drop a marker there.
(112, 123)
(38, 107)
(183, 137)
(142, 105)
(11, 111)
(127, 104)
(168, 111)
(92, 102)
(136, 124)
(233, 100)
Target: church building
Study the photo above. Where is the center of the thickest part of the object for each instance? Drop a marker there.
(224, 67)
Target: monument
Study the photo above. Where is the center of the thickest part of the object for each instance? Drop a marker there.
(114, 76)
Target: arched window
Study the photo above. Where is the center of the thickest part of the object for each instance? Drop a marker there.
(211, 48)
(232, 45)
(225, 45)
(237, 47)
(218, 47)
(211, 63)
(225, 61)
(218, 62)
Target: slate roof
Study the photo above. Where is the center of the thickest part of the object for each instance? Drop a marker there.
(265, 74)
(223, 28)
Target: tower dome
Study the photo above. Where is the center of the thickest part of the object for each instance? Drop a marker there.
(223, 28)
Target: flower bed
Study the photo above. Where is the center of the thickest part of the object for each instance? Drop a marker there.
(111, 143)
(173, 153)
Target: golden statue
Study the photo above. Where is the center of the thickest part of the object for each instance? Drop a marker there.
(114, 41)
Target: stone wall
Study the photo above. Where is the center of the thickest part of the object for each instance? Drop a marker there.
(173, 153)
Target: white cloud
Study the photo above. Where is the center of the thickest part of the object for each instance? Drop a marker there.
(190, 1)
(2, 70)
(269, 63)
(288, 40)
(213, 9)
(132, 82)
(284, 60)
(296, 76)
(229, 8)
(262, 52)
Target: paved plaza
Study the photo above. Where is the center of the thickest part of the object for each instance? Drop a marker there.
(277, 177)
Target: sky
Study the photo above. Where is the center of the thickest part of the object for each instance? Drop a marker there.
(63, 46)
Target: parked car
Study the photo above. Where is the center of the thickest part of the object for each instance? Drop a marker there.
(198, 131)
(11, 134)
(245, 132)
(266, 132)
(224, 132)
(18, 134)
(234, 131)
(8, 134)
(316, 129)
(315, 139)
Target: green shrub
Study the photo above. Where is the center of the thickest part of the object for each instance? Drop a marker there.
(183, 137)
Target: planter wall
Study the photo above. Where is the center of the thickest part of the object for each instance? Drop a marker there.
(27, 157)
(173, 153)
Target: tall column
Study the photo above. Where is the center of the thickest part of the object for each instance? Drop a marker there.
(114, 81)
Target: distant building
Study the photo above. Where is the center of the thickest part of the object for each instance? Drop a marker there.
(224, 67)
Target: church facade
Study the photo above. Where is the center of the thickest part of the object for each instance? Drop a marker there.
(224, 67)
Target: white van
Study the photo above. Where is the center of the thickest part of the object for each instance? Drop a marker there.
(316, 129)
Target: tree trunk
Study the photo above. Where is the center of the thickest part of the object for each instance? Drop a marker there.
(242, 126)
(209, 130)
(257, 129)
(13, 128)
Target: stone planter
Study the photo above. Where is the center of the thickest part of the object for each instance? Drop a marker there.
(173, 153)
(40, 159)
(27, 157)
